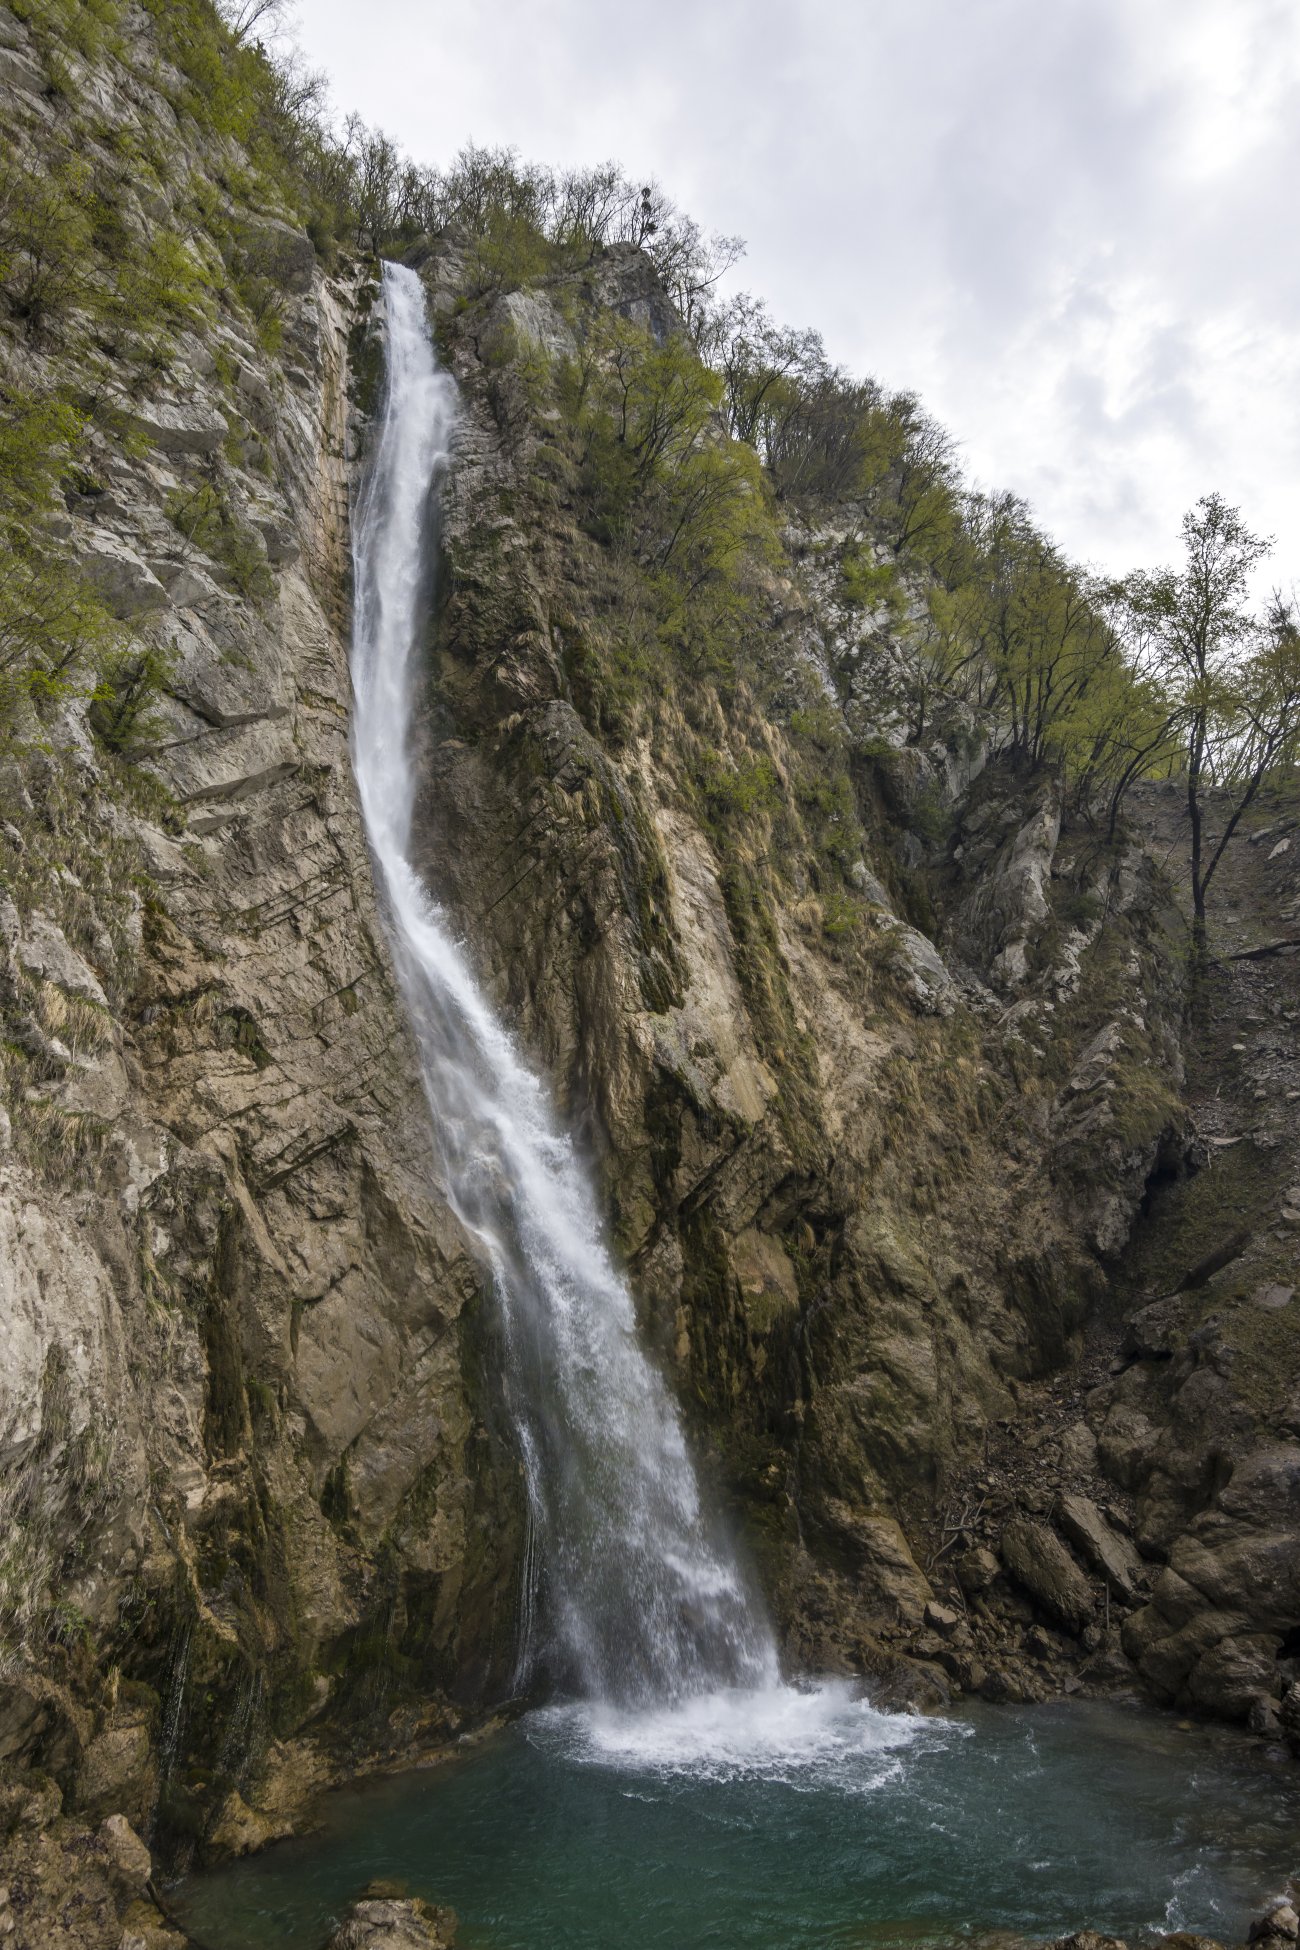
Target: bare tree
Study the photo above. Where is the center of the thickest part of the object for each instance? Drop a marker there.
(263, 20)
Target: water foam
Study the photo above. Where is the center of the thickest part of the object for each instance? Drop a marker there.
(826, 1735)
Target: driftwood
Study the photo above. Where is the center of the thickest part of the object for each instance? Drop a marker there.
(951, 1531)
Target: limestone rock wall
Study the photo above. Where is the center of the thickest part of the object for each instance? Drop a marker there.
(249, 1475)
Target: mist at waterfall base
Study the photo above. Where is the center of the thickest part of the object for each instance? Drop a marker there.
(677, 1792)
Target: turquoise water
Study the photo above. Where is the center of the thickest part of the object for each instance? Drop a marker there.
(576, 1831)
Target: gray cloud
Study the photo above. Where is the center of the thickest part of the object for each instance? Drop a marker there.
(1068, 226)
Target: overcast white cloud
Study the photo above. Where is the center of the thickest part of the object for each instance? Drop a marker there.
(1069, 224)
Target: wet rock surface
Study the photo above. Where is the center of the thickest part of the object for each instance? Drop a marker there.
(392, 1922)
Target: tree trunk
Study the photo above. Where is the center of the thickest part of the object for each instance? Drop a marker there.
(1200, 951)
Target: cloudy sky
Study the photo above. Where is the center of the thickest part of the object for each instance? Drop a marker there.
(1071, 225)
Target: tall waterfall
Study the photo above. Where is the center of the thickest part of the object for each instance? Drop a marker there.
(639, 1601)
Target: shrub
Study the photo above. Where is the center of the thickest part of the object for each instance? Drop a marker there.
(45, 243)
(204, 516)
(131, 680)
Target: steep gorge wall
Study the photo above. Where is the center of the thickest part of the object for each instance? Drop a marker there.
(975, 1323)
(246, 1468)
(866, 1192)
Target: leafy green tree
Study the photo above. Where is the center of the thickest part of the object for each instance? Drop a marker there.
(1233, 678)
(911, 477)
(761, 364)
(664, 482)
(45, 241)
(51, 624)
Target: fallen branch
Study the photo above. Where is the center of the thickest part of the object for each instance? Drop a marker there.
(1258, 954)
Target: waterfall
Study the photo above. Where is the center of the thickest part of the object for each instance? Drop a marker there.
(639, 1600)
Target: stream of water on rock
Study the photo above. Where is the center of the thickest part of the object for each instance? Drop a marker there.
(640, 1602)
(678, 1793)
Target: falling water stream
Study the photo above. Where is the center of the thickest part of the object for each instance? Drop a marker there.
(676, 1792)
(640, 1600)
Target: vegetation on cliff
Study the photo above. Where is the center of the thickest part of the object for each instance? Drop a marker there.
(696, 434)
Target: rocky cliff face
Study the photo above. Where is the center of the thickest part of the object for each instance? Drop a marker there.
(922, 1201)
(246, 1469)
(877, 1050)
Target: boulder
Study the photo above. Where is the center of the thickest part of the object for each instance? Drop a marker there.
(1124, 1445)
(123, 579)
(942, 1619)
(922, 970)
(43, 951)
(977, 1568)
(131, 1860)
(282, 545)
(1166, 1657)
(1079, 1450)
(394, 1923)
(1278, 1927)
(118, 1772)
(1274, 1298)
(1156, 1332)
(1043, 1568)
(1235, 1675)
(1100, 1546)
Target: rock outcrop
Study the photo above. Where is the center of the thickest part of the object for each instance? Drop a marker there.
(382, 1922)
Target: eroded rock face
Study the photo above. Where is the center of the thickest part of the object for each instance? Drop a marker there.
(1220, 1615)
(250, 1480)
(866, 1194)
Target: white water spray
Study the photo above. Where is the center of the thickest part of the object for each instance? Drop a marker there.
(640, 1599)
